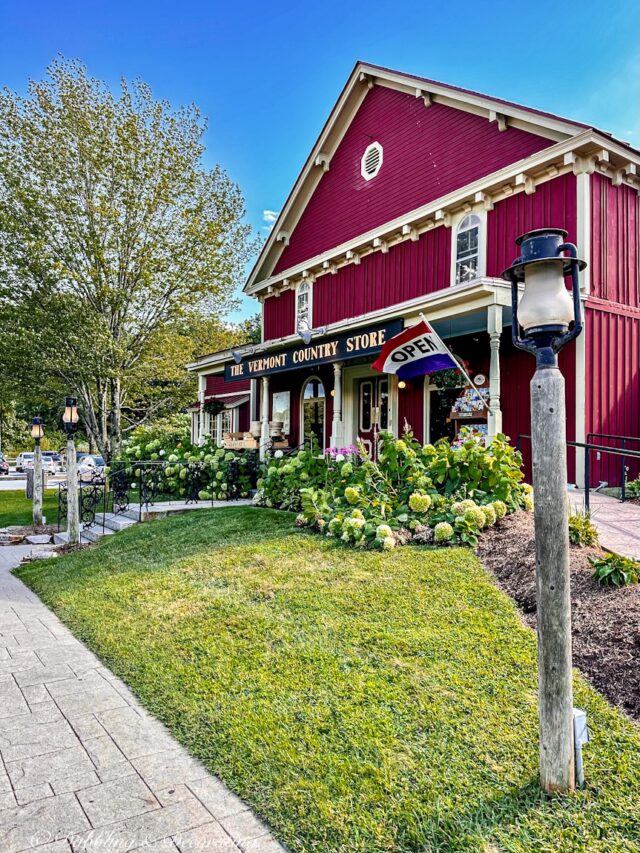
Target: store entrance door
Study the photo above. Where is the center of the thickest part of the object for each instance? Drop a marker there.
(441, 401)
(373, 411)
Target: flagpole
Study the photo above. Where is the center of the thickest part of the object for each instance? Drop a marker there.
(460, 367)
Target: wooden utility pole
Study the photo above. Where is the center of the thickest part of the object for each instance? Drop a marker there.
(37, 485)
(550, 317)
(73, 510)
(548, 439)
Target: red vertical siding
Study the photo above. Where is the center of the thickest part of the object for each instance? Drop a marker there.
(383, 279)
(411, 408)
(217, 385)
(278, 315)
(613, 382)
(553, 204)
(516, 370)
(428, 152)
(615, 242)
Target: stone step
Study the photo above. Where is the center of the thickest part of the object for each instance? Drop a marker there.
(114, 522)
(96, 533)
(132, 514)
(62, 538)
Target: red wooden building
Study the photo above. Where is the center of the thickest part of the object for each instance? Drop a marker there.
(411, 201)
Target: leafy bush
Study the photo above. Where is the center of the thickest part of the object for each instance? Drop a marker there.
(633, 488)
(582, 531)
(434, 493)
(177, 464)
(615, 570)
(169, 431)
(284, 477)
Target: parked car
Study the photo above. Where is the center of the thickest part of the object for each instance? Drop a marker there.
(48, 464)
(4, 465)
(90, 465)
(55, 458)
(21, 459)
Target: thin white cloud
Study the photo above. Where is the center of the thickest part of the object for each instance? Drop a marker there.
(269, 216)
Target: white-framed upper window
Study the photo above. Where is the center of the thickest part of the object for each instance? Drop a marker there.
(371, 162)
(304, 319)
(468, 249)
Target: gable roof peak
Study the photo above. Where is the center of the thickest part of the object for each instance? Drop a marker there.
(362, 79)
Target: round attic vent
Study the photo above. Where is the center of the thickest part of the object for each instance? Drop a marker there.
(371, 161)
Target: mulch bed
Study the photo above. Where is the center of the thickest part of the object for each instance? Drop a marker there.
(605, 622)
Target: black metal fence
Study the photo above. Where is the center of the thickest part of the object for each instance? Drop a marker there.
(130, 488)
(621, 455)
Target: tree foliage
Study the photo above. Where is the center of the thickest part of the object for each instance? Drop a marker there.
(114, 242)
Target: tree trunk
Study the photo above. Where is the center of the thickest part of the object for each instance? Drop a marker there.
(104, 412)
(116, 416)
(92, 420)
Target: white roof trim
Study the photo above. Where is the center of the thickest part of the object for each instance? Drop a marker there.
(584, 152)
(445, 302)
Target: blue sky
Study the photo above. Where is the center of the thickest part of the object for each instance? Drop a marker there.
(267, 74)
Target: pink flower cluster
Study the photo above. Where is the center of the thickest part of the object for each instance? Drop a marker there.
(351, 450)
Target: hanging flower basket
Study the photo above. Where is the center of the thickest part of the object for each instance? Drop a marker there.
(213, 407)
(450, 378)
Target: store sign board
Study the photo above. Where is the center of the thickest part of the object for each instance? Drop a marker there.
(352, 344)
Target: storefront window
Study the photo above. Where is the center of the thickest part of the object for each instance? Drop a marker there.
(384, 403)
(313, 412)
(366, 403)
(282, 409)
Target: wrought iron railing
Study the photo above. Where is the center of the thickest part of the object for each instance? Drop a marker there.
(133, 487)
(622, 453)
(91, 496)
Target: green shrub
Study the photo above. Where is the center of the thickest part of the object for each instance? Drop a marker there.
(582, 531)
(443, 532)
(410, 490)
(178, 461)
(615, 570)
(633, 489)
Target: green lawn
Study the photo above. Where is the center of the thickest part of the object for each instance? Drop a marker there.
(16, 509)
(358, 701)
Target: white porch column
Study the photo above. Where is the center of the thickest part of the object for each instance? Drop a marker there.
(337, 428)
(494, 327)
(202, 384)
(264, 412)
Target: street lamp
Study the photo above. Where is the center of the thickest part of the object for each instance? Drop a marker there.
(70, 423)
(37, 432)
(547, 319)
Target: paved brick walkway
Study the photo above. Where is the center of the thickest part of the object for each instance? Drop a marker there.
(618, 523)
(84, 767)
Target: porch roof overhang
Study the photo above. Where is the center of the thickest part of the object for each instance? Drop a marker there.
(235, 400)
(447, 303)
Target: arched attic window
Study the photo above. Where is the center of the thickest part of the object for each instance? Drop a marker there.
(468, 243)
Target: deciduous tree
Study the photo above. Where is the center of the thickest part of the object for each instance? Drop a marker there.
(112, 233)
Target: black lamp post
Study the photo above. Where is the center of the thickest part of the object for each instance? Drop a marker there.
(37, 433)
(547, 319)
(70, 421)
